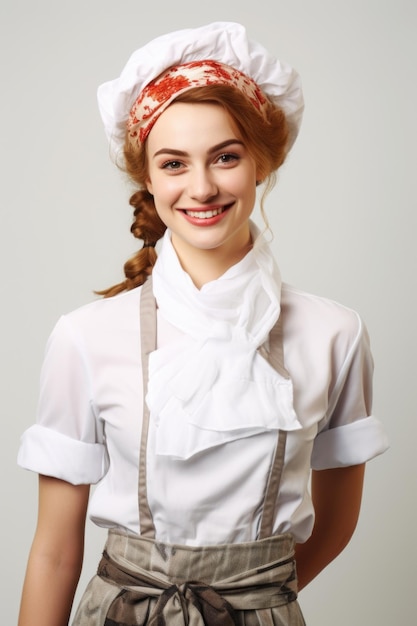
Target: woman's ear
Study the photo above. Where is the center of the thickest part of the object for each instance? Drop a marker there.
(260, 176)
(149, 187)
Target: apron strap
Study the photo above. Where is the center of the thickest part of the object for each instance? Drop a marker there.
(275, 356)
(148, 345)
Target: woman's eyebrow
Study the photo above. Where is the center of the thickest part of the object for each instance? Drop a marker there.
(219, 146)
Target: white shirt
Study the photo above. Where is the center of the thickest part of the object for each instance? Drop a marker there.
(89, 423)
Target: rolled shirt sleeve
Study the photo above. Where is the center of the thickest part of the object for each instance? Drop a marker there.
(49, 452)
(67, 441)
(350, 434)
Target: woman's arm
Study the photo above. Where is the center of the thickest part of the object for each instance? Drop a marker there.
(56, 555)
(336, 495)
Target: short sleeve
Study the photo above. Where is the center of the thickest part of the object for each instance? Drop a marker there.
(350, 434)
(67, 441)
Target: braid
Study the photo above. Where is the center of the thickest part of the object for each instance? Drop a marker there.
(146, 222)
(148, 227)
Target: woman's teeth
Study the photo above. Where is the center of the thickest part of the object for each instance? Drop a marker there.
(205, 214)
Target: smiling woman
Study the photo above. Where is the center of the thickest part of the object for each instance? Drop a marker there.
(204, 396)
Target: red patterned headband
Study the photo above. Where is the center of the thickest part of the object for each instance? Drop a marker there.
(159, 93)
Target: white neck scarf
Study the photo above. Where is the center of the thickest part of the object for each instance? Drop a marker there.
(212, 385)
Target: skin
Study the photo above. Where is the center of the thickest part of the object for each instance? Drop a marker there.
(196, 162)
(336, 495)
(56, 555)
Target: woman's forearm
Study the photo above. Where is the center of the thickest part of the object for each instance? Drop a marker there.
(56, 555)
(48, 591)
(336, 495)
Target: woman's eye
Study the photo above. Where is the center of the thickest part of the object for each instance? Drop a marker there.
(228, 158)
(171, 165)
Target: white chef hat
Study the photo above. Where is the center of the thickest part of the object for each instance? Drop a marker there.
(223, 42)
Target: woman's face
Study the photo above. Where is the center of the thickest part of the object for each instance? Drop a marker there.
(203, 180)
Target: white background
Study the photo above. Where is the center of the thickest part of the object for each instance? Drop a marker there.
(343, 215)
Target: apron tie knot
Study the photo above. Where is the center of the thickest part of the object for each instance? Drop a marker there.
(194, 603)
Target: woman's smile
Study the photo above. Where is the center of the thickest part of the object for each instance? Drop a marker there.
(206, 216)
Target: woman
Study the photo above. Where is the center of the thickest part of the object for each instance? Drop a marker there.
(202, 394)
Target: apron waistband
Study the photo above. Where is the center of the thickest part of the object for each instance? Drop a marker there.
(198, 585)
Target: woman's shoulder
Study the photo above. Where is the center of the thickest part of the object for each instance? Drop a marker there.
(106, 307)
(317, 316)
(104, 315)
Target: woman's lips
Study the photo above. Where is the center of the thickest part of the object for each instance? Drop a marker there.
(206, 216)
(206, 213)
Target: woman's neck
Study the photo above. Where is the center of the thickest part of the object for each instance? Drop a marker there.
(204, 265)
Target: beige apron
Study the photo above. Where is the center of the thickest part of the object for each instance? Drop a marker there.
(141, 581)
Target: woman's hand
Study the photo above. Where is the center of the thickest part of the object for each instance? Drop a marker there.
(336, 495)
(56, 555)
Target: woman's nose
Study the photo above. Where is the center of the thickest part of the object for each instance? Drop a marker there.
(202, 186)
